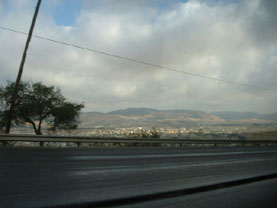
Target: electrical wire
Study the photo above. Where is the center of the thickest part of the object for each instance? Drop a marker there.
(139, 61)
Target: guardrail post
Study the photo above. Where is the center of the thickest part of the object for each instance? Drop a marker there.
(5, 143)
(41, 144)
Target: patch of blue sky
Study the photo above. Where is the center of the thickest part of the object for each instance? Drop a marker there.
(65, 12)
(6, 5)
(165, 4)
(216, 2)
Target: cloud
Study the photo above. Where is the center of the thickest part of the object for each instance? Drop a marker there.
(220, 40)
(263, 22)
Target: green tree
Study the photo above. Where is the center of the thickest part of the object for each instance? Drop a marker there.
(36, 103)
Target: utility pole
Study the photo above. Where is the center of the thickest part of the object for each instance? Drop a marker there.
(20, 71)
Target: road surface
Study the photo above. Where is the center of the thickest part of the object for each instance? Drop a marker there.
(45, 177)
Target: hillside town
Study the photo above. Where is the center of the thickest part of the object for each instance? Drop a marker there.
(201, 132)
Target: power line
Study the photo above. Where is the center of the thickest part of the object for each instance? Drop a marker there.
(139, 61)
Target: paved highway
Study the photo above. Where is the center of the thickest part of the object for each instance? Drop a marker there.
(44, 177)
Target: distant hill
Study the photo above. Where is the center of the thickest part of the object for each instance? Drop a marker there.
(94, 113)
(238, 116)
(229, 115)
(134, 117)
(133, 112)
(148, 117)
(163, 114)
(272, 116)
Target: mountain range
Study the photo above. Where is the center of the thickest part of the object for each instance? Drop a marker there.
(134, 117)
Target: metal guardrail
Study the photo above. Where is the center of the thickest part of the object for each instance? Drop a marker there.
(5, 138)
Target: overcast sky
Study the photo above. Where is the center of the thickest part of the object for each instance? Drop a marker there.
(229, 40)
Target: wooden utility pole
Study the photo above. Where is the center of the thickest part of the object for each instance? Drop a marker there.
(20, 71)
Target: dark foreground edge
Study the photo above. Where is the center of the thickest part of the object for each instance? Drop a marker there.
(170, 194)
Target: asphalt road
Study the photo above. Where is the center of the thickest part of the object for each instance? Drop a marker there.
(41, 177)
